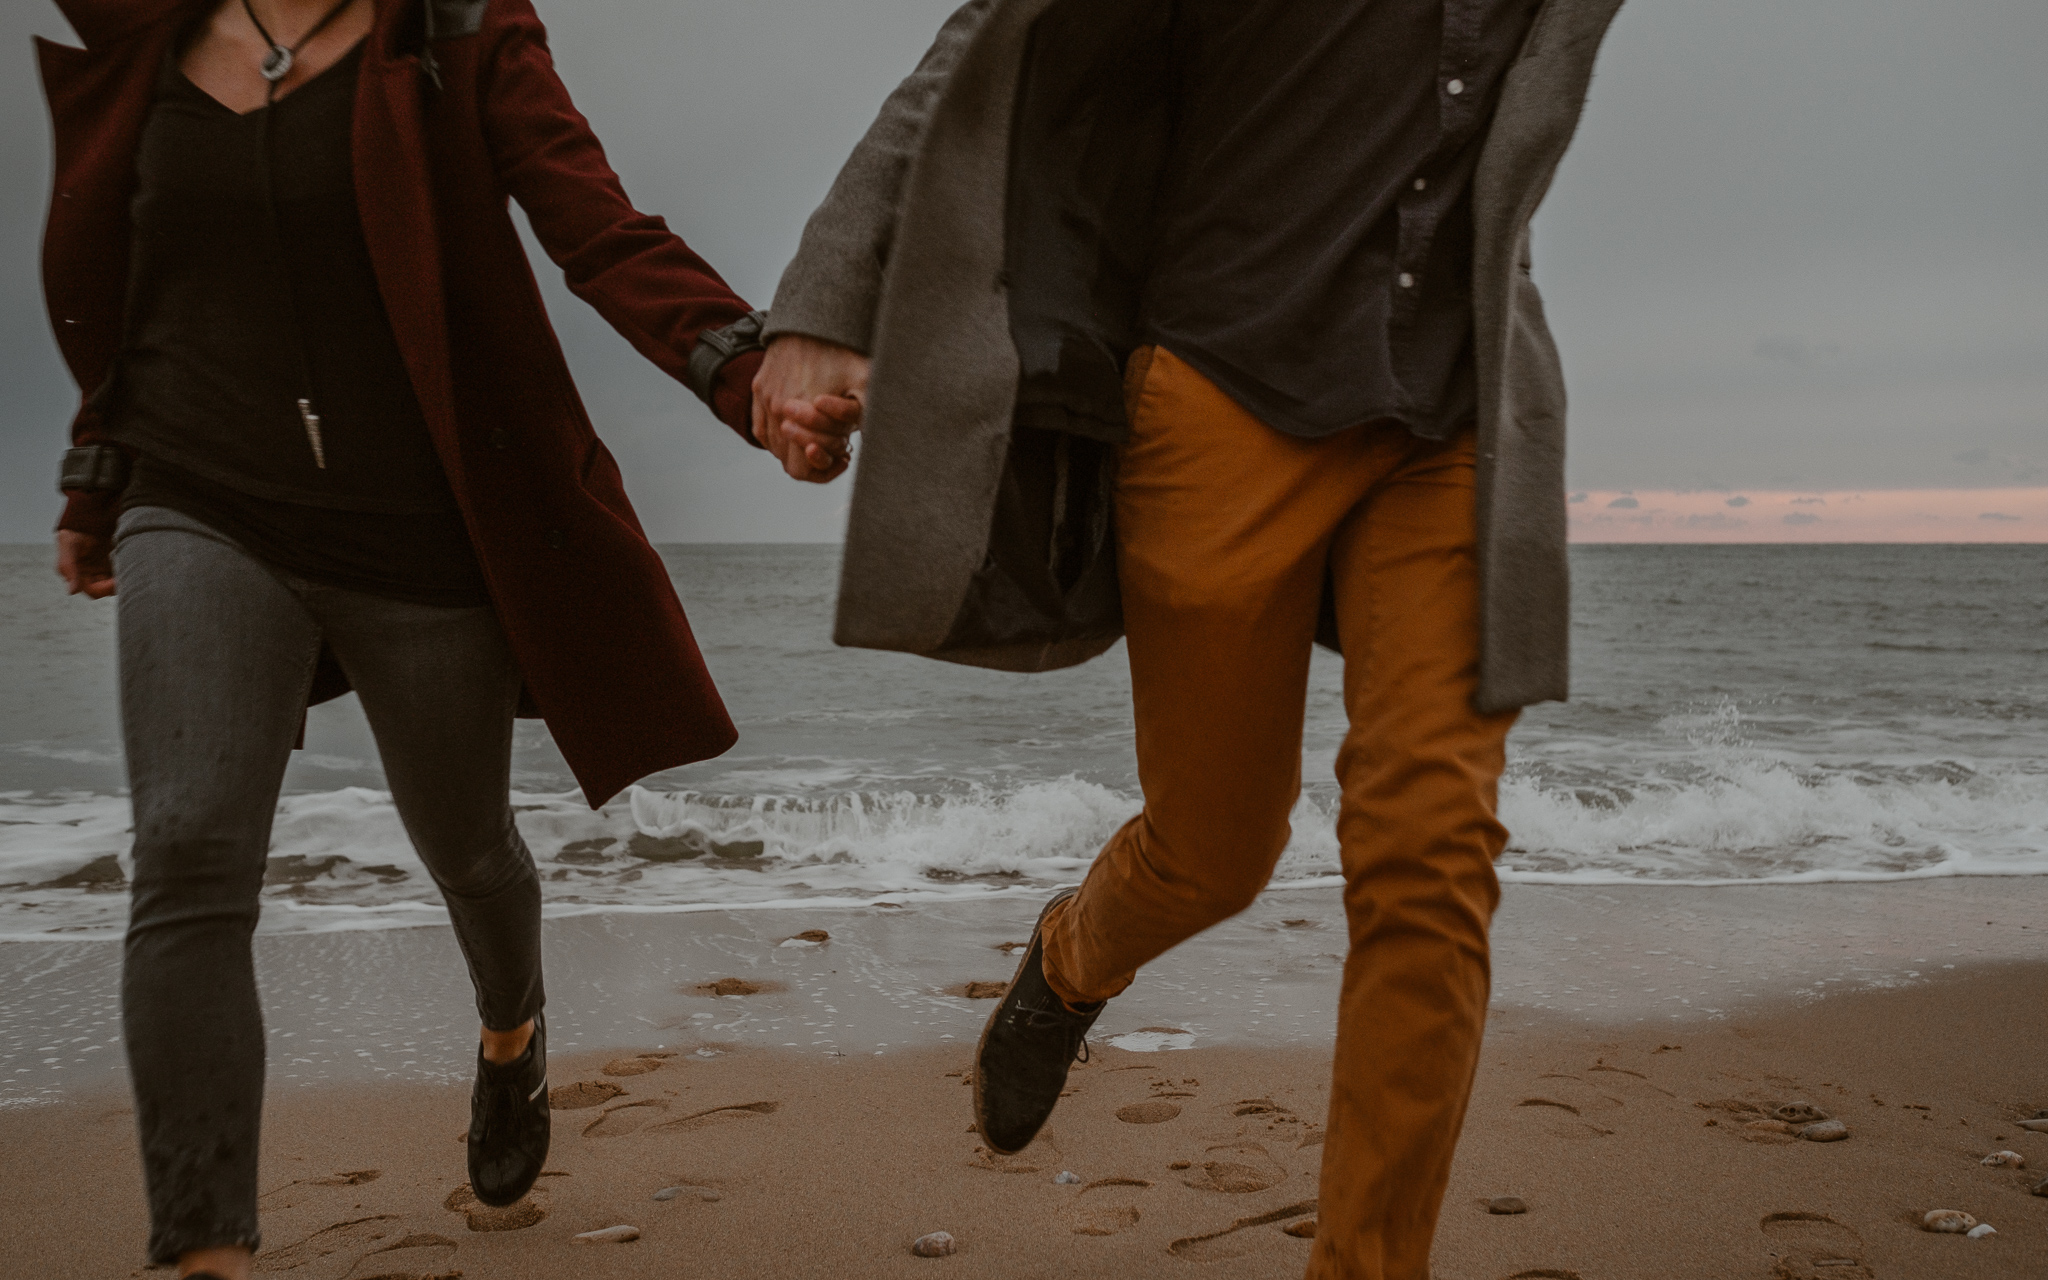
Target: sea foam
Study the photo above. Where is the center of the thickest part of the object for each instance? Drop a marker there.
(340, 859)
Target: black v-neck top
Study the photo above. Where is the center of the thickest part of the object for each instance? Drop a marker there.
(234, 314)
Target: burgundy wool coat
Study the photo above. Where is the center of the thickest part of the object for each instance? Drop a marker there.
(607, 655)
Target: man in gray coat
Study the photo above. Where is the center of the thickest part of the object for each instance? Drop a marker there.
(1208, 323)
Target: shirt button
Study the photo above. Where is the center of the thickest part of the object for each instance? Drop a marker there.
(1422, 184)
(1407, 281)
(501, 439)
(1455, 87)
(555, 539)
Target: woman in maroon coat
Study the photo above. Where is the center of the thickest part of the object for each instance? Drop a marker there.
(328, 441)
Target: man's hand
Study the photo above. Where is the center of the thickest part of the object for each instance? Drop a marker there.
(86, 563)
(808, 399)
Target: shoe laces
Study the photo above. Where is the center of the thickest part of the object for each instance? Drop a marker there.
(1062, 1020)
(504, 1093)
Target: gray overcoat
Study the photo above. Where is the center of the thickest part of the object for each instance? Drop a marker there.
(985, 245)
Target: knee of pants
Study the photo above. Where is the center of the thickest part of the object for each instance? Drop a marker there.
(481, 872)
(1217, 874)
(169, 891)
(1446, 893)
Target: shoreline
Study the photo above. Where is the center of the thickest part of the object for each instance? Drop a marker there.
(393, 1005)
(1628, 1143)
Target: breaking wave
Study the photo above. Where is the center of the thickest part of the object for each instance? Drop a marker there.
(340, 859)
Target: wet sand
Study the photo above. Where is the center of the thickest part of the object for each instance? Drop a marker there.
(1622, 1117)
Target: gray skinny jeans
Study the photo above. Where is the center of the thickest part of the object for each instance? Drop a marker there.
(217, 653)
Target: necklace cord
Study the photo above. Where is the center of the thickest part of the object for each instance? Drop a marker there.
(309, 418)
(290, 52)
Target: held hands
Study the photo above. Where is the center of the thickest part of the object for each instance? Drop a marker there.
(808, 399)
(86, 563)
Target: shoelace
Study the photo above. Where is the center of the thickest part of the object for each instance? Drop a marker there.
(502, 1100)
(1062, 1020)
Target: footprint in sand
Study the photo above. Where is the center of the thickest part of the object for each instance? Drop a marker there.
(1043, 1153)
(1230, 1242)
(710, 1116)
(1751, 1121)
(1153, 1112)
(1813, 1246)
(420, 1256)
(353, 1234)
(1106, 1206)
(293, 1194)
(584, 1093)
(637, 1065)
(690, 1189)
(1567, 1106)
(513, 1217)
(1277, 1117)
(625, 1118)
(1236, 1169)
(1624, 1083)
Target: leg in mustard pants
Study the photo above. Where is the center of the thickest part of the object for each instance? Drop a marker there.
(1226, 529)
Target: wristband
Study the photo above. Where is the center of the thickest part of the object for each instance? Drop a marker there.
(96, 468)
(716, 347)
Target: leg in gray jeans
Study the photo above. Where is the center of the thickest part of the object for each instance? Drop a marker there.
(217, 653)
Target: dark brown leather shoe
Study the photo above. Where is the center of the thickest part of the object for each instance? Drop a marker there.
(1030, 1042)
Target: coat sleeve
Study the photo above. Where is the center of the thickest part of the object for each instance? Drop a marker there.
(638, 274)
(831, 289)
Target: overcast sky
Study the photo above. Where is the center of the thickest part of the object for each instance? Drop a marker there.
(1798, 245)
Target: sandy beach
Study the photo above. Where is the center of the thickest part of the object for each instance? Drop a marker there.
(1632, 1126)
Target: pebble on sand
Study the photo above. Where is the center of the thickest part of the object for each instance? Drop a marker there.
(2042, 1188)
(2034, 1126)
(1506, 1204)
(668, 1193)
(1825, 1131)
(608, 1235)
(1981, 1230)
(1947, 1222)
(1302, 1230)
(2005, 1160)
(939, 1244)
(1067, 1178)
(1801, 1113)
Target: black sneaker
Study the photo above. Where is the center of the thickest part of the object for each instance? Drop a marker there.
(508, 1122)
(1030, 1041)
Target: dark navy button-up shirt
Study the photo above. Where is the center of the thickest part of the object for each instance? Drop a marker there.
(1313, 252)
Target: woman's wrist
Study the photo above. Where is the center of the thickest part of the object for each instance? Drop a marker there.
(732, 396)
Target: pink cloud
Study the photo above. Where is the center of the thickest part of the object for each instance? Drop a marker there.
(1868, 515)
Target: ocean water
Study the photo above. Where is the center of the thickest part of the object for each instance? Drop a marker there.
(1741, 714)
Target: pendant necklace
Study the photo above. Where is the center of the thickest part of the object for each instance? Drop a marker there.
(277, 64)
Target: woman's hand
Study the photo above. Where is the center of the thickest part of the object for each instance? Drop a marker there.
(808, 399)
(86, 563)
